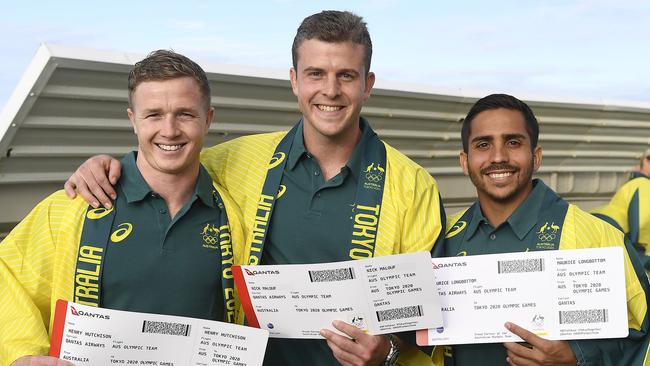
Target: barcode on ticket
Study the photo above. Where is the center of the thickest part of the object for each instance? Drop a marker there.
(521, 265)
(584, 316)
(332, 275)
(178, 329)
(399, 313)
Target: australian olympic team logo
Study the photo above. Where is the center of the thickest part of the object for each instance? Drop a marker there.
(276, 160)
(210, 235)
(538, 320)
(374, 173)
(359, 322)
(548, 232)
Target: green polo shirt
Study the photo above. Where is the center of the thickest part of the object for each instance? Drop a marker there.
(312, 222)
(312, 210)
(164, 265)
(532, 226)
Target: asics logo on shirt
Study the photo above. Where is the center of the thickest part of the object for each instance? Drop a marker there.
(457, 228)
(281, 191)
(276, 160)
(123, 231)
(98, 213)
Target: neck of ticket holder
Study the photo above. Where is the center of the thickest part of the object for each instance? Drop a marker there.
(96, 234)
(366, 208)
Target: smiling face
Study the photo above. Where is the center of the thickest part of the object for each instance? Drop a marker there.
(331, 85)
(171, 119)
(500, 160)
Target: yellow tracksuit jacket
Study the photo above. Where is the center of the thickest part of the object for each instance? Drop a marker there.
(411, 216)
(37, 265)
(629, 209)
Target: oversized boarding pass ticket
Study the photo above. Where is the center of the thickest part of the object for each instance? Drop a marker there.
(379, 295)
(86, 335)
(556, 294)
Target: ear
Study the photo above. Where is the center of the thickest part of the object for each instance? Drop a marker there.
(463, 162)
(208, 119)
(370, 82)
(537, 158)
(293, 75)
(129, 112)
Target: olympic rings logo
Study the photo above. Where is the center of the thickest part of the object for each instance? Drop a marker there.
(547, 237)
(212, 240)
(374, 177)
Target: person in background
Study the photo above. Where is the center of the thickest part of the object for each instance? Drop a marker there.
(629, 209)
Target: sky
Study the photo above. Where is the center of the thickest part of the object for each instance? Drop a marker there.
(596, 51)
